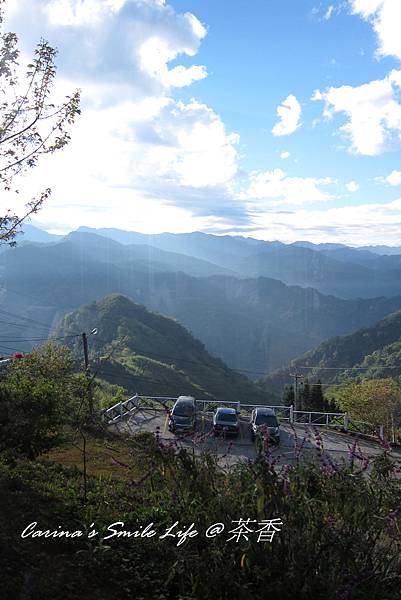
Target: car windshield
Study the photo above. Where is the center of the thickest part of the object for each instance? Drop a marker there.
(229, 417)
(269, 420)
(183, 410)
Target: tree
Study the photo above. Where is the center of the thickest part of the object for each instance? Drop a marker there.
(31, 123)
(304, 396)
(288, 395)
(375, 401)
(317, 401)
(39, 396)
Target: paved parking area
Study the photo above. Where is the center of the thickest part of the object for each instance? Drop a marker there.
(295, 441)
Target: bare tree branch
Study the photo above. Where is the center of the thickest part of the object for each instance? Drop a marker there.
(31, 124)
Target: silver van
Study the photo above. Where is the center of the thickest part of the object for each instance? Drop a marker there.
(183, 415)
(265, 420)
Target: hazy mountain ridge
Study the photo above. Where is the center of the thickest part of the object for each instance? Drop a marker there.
(330, 268)
(151, 354)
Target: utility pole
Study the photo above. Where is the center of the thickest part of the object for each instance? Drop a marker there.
(85, 345)
(86, 357)
(296, 376)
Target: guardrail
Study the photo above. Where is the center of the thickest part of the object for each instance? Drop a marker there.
(328, 419)
(282, 412)
(120, 409)
(206, 404)
(310, 417)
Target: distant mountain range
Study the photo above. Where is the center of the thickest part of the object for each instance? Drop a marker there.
(255, 325)
(150, 354)
(330, 268)
(373, 352)
(30, 233)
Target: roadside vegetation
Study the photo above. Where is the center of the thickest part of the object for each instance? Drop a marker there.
(341, 522)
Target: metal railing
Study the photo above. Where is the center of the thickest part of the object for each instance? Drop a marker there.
(327, 419)
(282, 412)
(206, 405)
(120, 409)
(310, 417)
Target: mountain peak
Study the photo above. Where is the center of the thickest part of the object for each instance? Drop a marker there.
(153, 354)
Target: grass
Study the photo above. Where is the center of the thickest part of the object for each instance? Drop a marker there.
(101, 450)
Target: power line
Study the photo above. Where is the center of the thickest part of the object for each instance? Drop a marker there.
(10, 348)
(132, 378)
(225, 368)
(9, 290)
(22, 325)
(63, 337)
(23, 318)
(350, 368)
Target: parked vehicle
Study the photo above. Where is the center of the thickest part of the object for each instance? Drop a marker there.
(264, 420)
(225, 421)
(183, 415)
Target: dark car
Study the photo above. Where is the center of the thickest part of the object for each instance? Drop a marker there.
(183, 415)
(225, 421)
(264, 420)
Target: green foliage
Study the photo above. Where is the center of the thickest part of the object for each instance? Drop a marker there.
(39, 395)
(304, 395)
(340, 536)
(312, 398)
(288, 395)
(317, 400)
(376, 401)
(108, 394)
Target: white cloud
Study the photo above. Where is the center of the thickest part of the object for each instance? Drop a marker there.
(352, 186)
(285, 155)
(385, 16)
(119, 43)
(154, 57)
(329, 13)
(352, 224)
(279, 189)
(394, 178)
(155, 150)
(289, 113)
(135, 150)
(373, 112)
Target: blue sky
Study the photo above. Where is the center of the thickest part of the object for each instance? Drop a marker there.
(257, 57)
(181, 129)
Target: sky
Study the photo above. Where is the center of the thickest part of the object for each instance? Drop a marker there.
(276, 119)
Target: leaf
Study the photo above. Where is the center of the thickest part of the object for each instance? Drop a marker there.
(260, 498)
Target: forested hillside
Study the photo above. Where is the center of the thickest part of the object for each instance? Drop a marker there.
(370, 353)
(150, 354)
